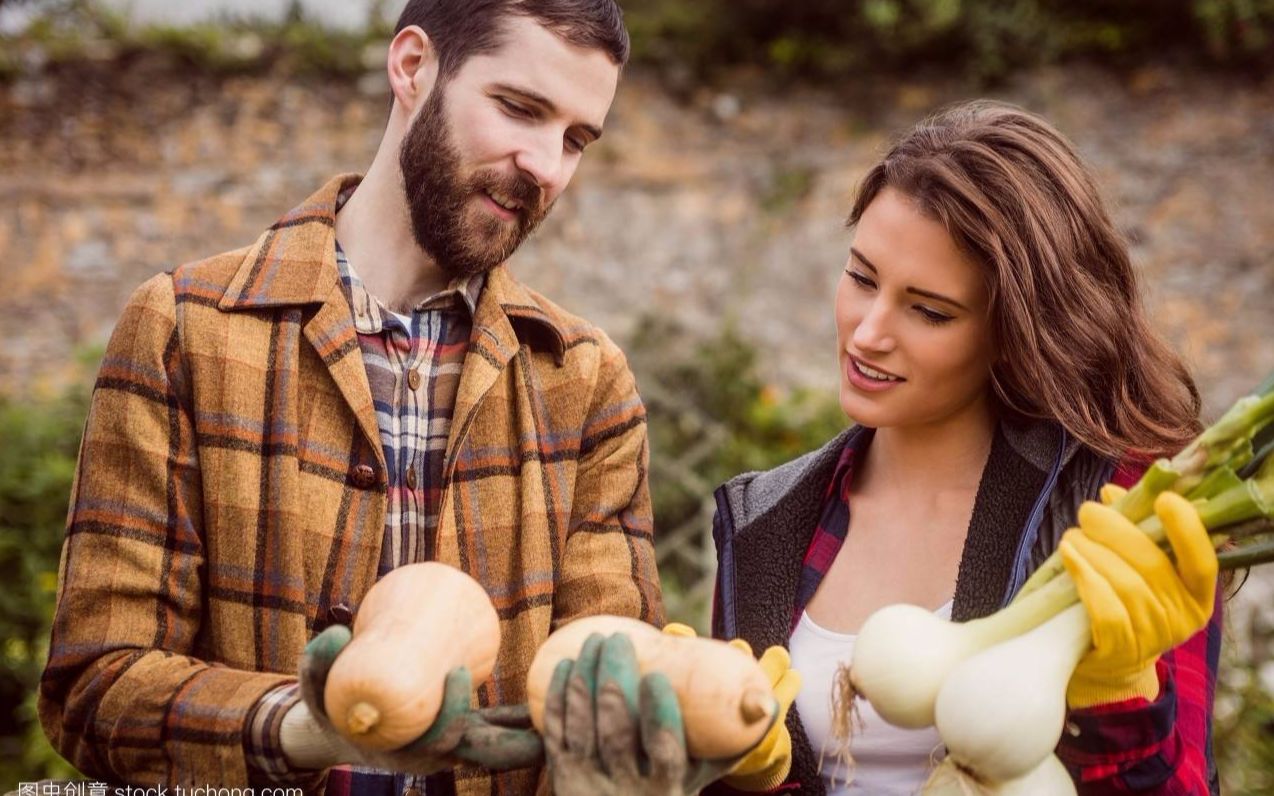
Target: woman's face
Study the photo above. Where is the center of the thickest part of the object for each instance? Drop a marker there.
(912, 322)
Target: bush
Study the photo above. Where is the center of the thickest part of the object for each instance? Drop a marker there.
(821, 39)
(71, 31)
(835, 39)
(712, 415)
(39, 441)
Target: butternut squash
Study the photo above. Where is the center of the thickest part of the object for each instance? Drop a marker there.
(726, 700)
(416, 624)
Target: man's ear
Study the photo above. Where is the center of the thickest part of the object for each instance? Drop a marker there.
(412, 66)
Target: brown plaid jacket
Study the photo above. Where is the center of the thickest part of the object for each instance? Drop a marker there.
(230, 500)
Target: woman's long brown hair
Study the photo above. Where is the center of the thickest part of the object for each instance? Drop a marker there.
(1073, 341)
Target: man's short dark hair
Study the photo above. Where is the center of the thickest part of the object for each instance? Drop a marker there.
(461, 29)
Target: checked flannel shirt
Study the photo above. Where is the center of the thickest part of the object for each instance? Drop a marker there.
(1134, 746)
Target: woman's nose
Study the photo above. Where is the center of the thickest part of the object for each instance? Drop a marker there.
(873, 333)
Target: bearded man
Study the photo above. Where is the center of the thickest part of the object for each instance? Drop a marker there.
(364, 387)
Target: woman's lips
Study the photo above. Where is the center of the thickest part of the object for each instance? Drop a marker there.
(864, 382)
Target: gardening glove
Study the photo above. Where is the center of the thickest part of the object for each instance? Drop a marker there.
(1139, 602)
(496, 738)
(769, 763)
(609, 731)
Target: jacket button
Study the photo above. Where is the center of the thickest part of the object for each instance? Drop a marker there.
(364, 476)
(341, 614)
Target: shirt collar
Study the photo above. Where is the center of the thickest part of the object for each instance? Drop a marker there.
(843, 475)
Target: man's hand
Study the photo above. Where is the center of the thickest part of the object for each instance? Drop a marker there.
(496, 738)
(607, 730)
(1140, 603)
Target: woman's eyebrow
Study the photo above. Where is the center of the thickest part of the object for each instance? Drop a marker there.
(914, 290)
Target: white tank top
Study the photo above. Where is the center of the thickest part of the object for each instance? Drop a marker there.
(887, 760)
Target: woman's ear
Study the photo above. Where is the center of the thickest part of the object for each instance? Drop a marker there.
(412, 66)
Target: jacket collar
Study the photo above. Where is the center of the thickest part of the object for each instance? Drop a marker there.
(1036, 441)
(293, 263)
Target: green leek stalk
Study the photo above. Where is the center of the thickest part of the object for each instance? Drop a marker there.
(1208, 472)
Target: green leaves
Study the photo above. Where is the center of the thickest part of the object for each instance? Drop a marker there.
(39, 441)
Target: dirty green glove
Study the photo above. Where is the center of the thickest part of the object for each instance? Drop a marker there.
(1140, 604)
(610, 731)
(495, 738)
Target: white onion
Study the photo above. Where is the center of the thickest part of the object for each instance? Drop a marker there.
(903, 653)
(1001, 712)
(1049, 778)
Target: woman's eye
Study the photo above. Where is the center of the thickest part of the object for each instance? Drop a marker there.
(861, 280)
(933, 316)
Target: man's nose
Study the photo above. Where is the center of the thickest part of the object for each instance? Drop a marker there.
(540, 159)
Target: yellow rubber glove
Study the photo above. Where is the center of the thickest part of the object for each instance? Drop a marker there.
(678, 629)
(1140, 604)
(770, 761)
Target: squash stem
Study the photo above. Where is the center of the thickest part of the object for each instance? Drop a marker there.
(362, 717)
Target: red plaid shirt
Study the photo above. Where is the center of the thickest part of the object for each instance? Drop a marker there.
(1134, 746)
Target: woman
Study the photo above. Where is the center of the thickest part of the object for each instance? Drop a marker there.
(999, 368)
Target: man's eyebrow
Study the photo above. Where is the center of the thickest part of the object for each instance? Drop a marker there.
(535, 98)
(913, 290)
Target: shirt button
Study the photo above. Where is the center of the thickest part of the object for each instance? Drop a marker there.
(413, 380)
(341, 614)
(411, 477)
(364, 476)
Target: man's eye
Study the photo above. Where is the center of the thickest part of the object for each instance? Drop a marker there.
(514, 109)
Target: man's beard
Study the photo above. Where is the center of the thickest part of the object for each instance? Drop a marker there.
(439, 198)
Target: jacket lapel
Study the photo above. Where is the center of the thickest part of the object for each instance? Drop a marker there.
(331, 332)
(775, 515)
(293, 264)
(1009, 488)
(492, 344)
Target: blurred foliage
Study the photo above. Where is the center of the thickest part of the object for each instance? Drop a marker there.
(1244, 738)
(39, 442)
(1243, 727)
(813, 39)
(72, 31)
(712, 415)
(836, 39)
